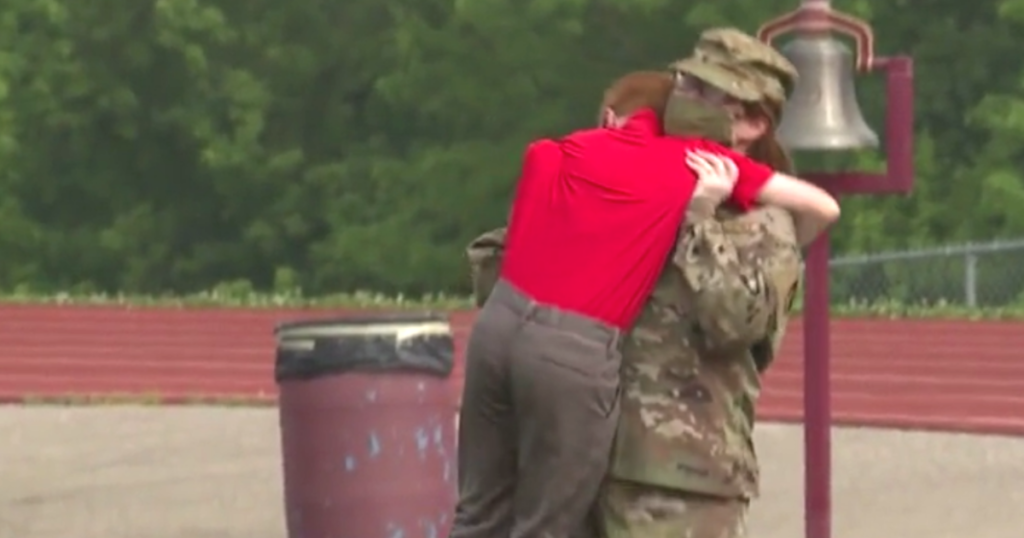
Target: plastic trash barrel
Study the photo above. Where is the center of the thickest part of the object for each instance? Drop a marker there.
(367, 440)
(462, 325)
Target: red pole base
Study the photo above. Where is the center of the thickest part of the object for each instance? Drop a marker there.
(817, 397)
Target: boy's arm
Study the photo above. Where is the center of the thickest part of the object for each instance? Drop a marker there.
(741, 273)
(812, 208)
(751, 178)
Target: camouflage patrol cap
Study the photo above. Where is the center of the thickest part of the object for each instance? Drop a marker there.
(740, 65)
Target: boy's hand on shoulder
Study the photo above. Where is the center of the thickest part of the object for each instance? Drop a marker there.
(716, 176)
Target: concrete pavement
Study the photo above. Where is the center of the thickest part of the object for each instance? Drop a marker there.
(152, 472)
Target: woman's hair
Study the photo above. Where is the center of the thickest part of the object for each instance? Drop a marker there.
(767, 149)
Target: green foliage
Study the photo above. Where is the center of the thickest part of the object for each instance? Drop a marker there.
(241, 295)
(151, 399)
(159, 148)
(888, 309)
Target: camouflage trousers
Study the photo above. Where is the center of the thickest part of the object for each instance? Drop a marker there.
(633, 510)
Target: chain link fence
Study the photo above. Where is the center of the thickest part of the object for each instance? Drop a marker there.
(973, 275)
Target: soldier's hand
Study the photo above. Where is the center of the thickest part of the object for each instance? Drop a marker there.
(716, 175)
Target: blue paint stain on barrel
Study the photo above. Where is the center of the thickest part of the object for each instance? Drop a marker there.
(393, 531)
(374, 445)
(367, 391)
(429, 527)
(422, 442)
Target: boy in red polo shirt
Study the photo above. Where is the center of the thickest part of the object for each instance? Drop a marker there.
(595, 217)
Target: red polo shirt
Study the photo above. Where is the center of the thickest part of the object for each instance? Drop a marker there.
(596, 215)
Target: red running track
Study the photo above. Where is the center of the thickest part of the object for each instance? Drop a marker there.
(951, 375)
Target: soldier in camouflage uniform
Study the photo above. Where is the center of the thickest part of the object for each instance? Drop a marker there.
(683, 465)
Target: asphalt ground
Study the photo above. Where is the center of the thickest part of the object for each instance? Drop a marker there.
(190, 472)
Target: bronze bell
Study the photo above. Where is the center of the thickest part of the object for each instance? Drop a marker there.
(822, 112)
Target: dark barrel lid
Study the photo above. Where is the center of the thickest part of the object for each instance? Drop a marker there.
(406, 341)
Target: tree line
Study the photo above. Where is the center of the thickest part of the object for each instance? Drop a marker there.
(171, 145)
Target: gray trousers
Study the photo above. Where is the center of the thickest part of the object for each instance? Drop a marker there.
(538, 417)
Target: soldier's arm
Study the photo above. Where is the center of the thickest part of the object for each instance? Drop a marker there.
(484, 254)
(741, 273)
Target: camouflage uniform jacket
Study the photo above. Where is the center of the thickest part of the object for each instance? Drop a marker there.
(692, 362)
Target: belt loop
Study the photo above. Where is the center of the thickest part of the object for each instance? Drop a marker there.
(530, 310)
(555, 318)
(615, 340)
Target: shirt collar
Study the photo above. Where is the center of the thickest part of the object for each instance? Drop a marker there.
(644, 121)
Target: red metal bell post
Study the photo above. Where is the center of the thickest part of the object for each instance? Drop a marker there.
(823, 115)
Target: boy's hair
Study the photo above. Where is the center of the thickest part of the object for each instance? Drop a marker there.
(637, 90)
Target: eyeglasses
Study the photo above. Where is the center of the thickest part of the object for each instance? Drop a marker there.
(692, 85)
